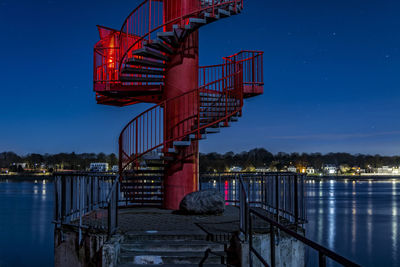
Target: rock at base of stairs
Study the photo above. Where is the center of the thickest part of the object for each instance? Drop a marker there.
(203, 202)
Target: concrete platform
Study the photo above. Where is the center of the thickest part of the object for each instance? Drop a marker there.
(144, 223)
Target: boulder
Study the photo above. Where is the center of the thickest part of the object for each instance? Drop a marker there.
(208, 201)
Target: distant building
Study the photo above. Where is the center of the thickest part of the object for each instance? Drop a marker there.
(263, 170)
(310, 170)
(291, 169)
(21, 165)
(329, 169)
(385, 170)
(98, 167)
(236, 169)
(114, 168)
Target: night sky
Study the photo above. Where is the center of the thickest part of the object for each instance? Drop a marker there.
(331, 76)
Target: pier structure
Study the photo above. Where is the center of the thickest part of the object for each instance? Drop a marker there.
(154, 58)
(262, 225)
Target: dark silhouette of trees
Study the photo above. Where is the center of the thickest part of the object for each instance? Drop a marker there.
(67, 161)
(255, 158)
(261, 158)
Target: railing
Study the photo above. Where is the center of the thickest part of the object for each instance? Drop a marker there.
(152, 17)
(281, 194)
(79, 194)
(253, 67)
(246, 219)
(149, 131)
(251, 63)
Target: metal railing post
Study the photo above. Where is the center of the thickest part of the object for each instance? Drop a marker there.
(272, 244)
(321, 259)
(296, 200)
(277, 197)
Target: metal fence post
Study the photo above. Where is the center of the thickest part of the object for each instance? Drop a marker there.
(272, 244)
(277, 197)
(296, 200)
(321, 259)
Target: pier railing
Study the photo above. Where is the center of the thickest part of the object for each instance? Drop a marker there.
(281, 194)
(248, 214)
(77, 195)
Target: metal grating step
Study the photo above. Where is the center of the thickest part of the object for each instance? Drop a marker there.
(145, 62)
(160, 46)
(147, 52)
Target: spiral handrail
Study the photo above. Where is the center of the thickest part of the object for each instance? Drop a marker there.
(150, 16)
(145, 133)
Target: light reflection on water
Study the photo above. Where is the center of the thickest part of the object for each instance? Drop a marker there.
(356, 219)
(359, 220)
(26, 230)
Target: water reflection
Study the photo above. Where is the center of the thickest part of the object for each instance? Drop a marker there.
(394, 221)
(357, 219)
(26, 223)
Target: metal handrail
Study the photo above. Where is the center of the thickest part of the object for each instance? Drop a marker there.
(323, 252)
(194, 96)
(243, 209)
(247, 230)
(281, 194)
(79, 193)
(180, 18)
(112, 206)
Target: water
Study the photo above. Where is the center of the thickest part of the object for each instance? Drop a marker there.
(26, 230)
(358, 220)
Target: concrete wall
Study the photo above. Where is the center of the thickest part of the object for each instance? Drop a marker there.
(289, 252)
(68, 252)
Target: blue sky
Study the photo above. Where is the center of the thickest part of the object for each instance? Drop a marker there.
(331, 76)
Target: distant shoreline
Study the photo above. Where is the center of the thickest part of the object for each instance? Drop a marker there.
(354, 177)
(26, 177)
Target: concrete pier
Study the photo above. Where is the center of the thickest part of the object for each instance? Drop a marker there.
(148, 236)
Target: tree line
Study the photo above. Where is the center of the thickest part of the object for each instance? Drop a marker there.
(261, 158)
(67, 161)
(248, 160)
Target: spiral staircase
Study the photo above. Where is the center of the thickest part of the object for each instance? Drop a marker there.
(130, 67)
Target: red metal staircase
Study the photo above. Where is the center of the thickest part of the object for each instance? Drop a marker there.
(130, 67)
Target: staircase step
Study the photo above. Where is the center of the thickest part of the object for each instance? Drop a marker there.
(211, 130)
(169, 258)
(172, 246)
(172, 150)
(176, 235)
(224, 13)
(139, 195)
(155, 164)
(169, 37)
(128, 70)
(147, 184)
(140, 79)
(144, 62)
(210, 18)
(142, 189)
(143, 177)
(146, 171)
(181, 143)
(160, 46)
(145, 202)
(148, 52)
(179, 32)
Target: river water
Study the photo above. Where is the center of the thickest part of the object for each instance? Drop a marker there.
(359, 220)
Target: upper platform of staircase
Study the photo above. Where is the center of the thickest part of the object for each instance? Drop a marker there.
(131, 62)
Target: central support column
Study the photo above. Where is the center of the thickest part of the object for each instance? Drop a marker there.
(181, 177)
(182, 76)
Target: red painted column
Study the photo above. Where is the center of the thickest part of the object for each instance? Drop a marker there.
(181, 77)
